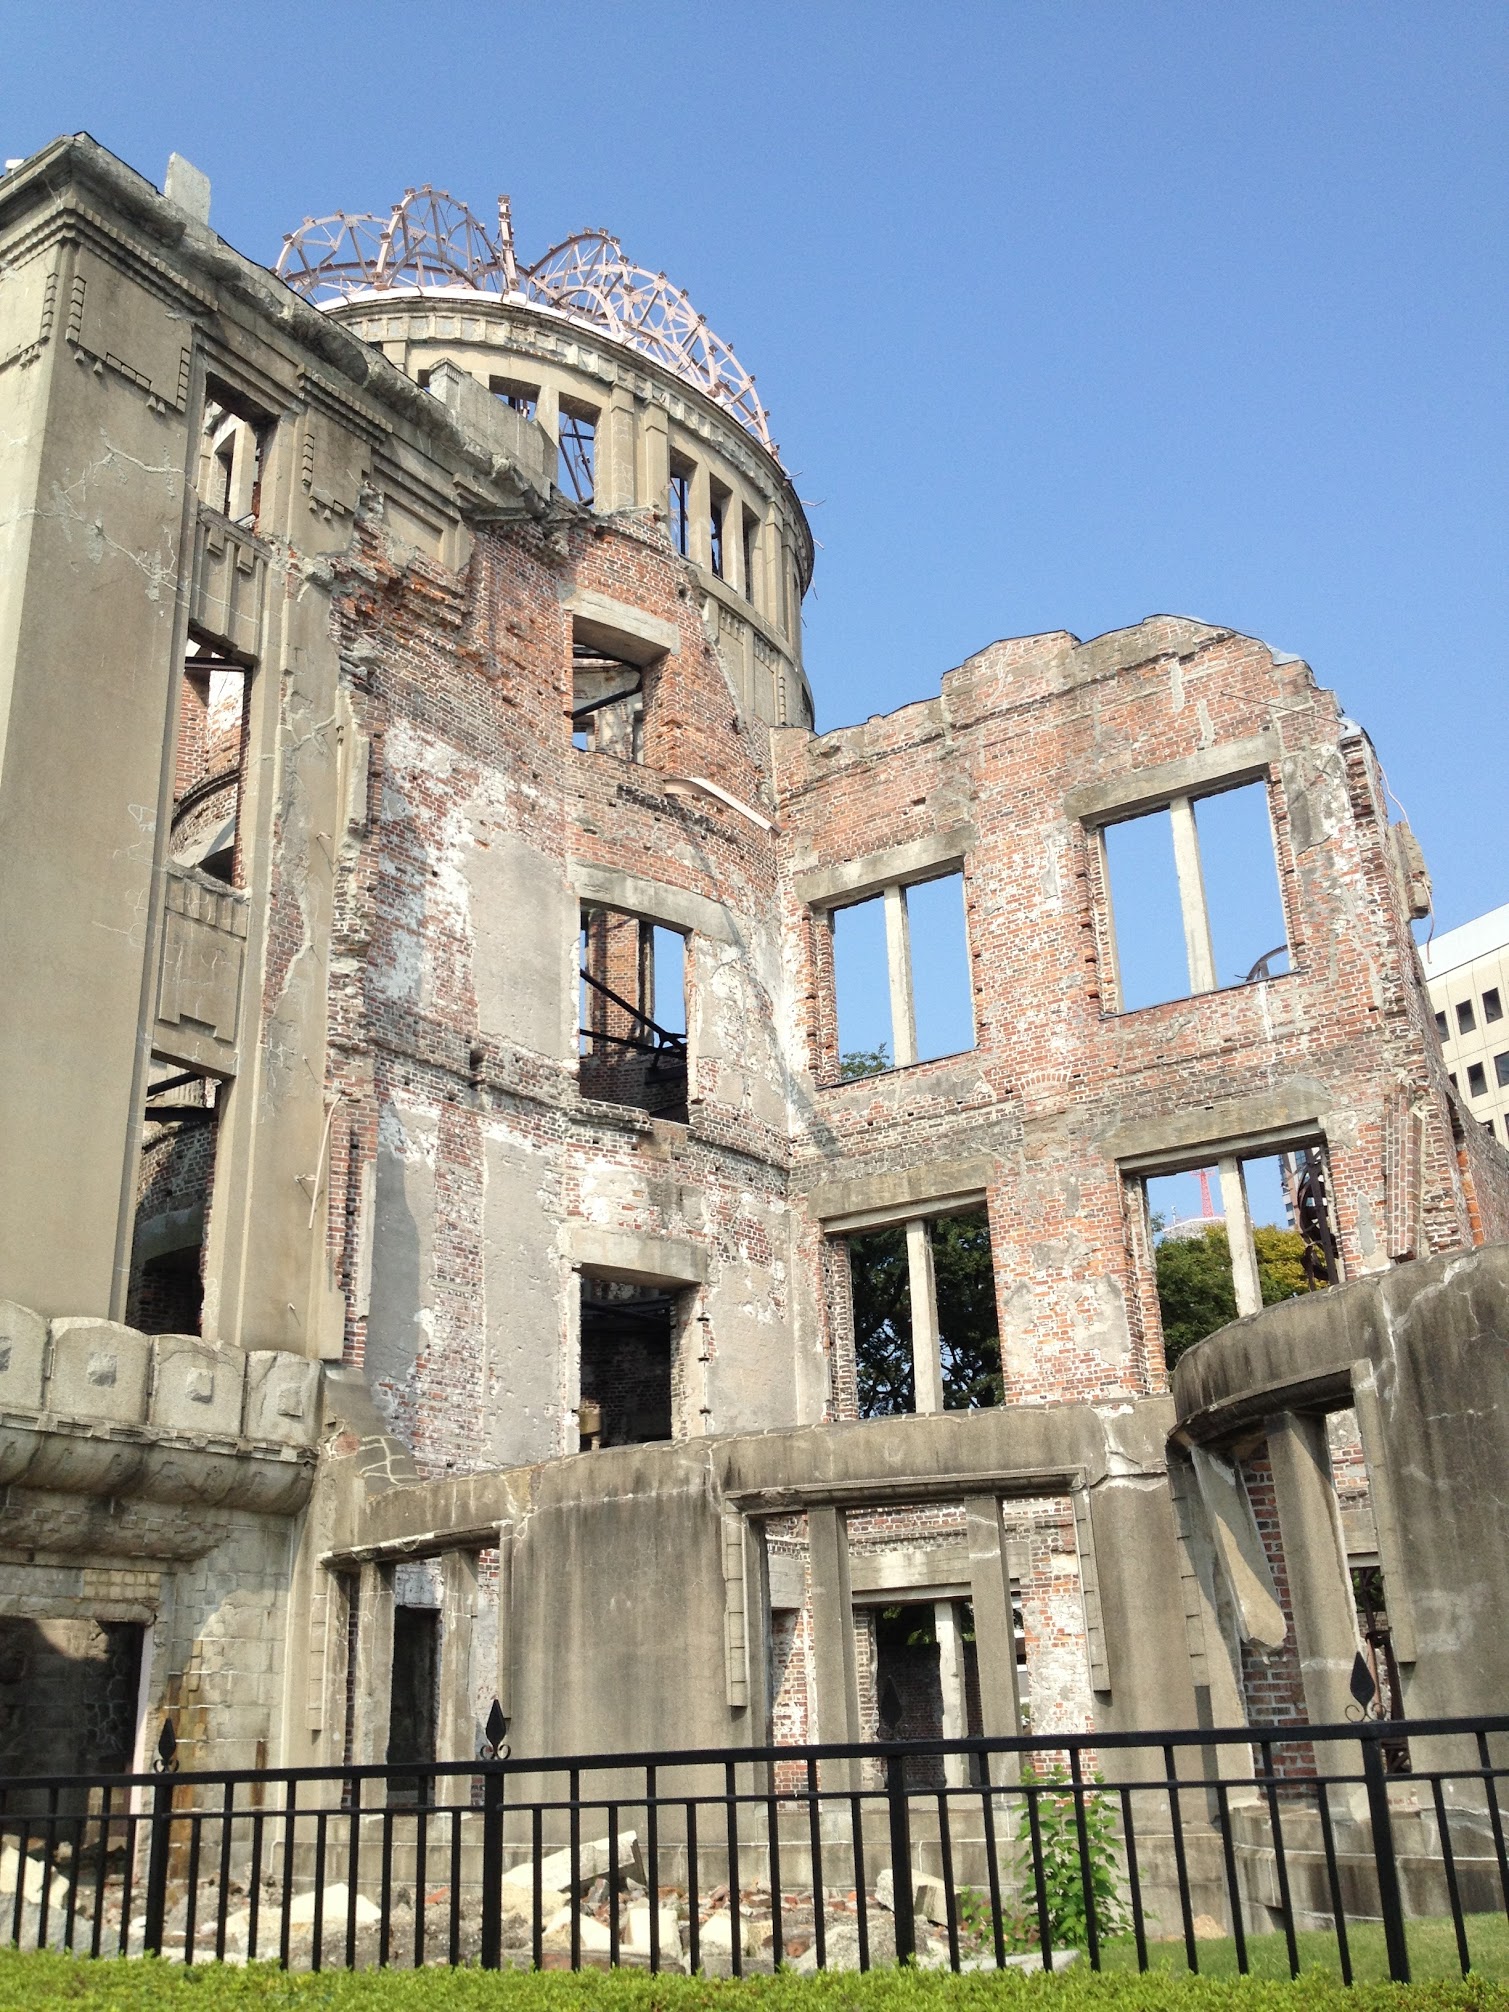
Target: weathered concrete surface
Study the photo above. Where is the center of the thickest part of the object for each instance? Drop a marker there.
(1436, 1335)
(293, 805)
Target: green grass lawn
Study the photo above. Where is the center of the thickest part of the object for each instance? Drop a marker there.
(80, 1985)
(1432, 1952)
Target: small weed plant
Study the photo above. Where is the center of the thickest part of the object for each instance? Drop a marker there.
(1065, 1867)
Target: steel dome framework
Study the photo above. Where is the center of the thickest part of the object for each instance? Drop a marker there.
(431, 243)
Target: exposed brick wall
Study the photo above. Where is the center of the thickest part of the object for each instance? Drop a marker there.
(1055, 1072)
(461, 687)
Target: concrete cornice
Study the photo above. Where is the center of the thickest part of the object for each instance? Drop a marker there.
(212, 271)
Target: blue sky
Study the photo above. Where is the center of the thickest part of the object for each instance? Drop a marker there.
(1065, 313)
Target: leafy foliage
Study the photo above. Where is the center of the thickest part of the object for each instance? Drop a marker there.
(865, 1062)
(1064, 1869)
(969, 1341)
(1195, 1292)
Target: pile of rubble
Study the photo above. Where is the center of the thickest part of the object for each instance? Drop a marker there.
(572, 1914)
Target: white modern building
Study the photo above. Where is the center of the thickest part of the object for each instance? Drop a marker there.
(1467, 971)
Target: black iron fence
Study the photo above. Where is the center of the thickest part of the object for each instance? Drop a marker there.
(1105, 1845)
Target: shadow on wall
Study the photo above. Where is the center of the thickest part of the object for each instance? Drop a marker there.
(68, 1693)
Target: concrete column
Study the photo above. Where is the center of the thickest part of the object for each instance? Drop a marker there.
(995, 1637)
(698, 499)
(456, 1731)
(1244, 1271)
(547, 410)
(898, 957)
(833, 1638)
(770, 558)
(374, 1664)
(757, 586)
(927, 1360)
(1315, 1561)
(615, 452)
(1197, 944)
(655, 458)
(503, 1677)
(733, 544)
(951, 1682)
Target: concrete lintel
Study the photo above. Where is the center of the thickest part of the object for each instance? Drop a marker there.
(1293, 1114)
(621, 629)
(933, 1571)
(930, 1568)
(938, 1187)
(855, 879)
(641, 1260)
(675, 907)
(881, 1491)
(1240, 1410)
(1207, 770)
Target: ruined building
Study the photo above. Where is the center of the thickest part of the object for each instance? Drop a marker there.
(433, 1204)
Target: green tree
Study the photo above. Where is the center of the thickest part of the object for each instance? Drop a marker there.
(969, 1342)
(1195, 1290)
(865, 1062)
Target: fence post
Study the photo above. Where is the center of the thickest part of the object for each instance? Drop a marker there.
(901, 1858)
(155, 1901)
(1389, 1902)
(493, 1751)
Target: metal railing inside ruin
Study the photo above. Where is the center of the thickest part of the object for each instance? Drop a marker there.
(964, 1854)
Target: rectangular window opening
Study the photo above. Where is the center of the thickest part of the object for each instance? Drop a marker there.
(524, 398)
(751, 550)
(1501, 1070)
(627, 1363)
(902, 977)
(174, 1187)
(1493, 1007)
(1441, 1026)
(885, 1274)
(1195, 897)
(578, 451)
(607, 703)
(679, 503)
(1477, 1080)
(716, 518)
(1151, 964)
(210, 763)
(233, 447)
(941, 988)
(1466, 1022)
(632, 1037)
(1289, 1247)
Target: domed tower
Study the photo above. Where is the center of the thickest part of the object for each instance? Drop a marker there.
(561, 973)
(646, 409)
